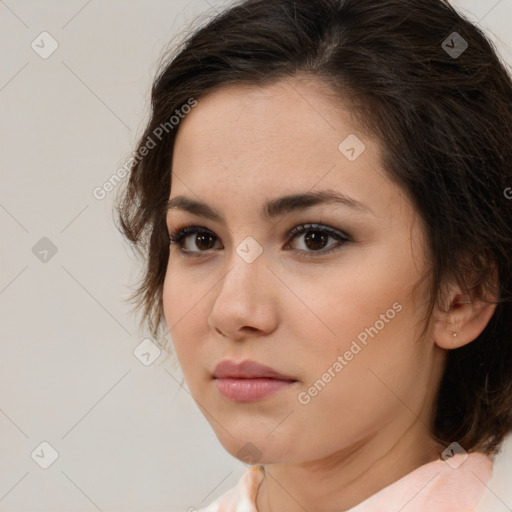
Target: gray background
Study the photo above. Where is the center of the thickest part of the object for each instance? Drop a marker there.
(128, 437)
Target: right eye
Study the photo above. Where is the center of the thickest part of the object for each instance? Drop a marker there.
(204, 240)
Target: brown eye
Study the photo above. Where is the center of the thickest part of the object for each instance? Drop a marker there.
(315, 239)
(202, 241)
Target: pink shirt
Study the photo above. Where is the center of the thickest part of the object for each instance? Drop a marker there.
(455, 485)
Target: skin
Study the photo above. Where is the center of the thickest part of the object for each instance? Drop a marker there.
(240, 147)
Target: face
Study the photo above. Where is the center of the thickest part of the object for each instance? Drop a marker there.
(321, 291)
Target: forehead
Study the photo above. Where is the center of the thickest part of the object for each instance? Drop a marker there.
(292, 124)
(250, 143)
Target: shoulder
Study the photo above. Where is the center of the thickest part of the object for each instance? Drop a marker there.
(457, 483)
(242, 497)
(497, 496)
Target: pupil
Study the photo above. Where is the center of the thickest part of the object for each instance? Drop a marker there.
(201, 239)
(317, 241)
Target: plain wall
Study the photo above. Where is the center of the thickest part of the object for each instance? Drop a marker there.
(128, 437)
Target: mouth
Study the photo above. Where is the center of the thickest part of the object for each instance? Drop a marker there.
(249, 381)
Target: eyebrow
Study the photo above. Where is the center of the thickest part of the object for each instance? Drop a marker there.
(273, 208)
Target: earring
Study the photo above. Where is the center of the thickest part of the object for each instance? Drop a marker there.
(454, 334)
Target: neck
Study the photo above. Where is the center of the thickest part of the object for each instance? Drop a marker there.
(349, 476)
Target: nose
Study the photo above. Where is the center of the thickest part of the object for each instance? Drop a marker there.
(245, 303)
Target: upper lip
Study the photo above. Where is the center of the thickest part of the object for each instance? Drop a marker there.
(246, 370)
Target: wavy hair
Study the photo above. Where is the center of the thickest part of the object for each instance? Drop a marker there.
(444, 121)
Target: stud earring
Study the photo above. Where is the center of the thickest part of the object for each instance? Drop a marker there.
(454, 334)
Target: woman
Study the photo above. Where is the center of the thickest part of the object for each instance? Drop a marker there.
(322, 203)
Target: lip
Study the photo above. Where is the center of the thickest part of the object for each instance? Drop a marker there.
(249, 381)
(247, 370)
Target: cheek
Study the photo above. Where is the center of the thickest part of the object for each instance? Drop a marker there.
(369, 318)
(346, 303)
(184, 313)
(352, 380)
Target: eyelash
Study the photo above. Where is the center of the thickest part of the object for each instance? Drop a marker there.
(178, 236)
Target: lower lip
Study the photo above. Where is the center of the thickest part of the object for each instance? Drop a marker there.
(250, 390)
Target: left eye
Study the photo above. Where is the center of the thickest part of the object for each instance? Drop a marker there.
(315, 239)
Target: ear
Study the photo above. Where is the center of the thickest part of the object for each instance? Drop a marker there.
(460, 317)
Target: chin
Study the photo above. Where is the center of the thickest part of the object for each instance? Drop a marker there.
(256, 450)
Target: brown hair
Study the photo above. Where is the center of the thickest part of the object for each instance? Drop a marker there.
(443, 114)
